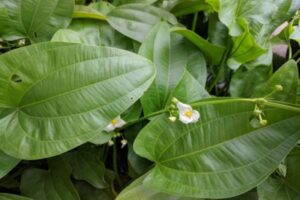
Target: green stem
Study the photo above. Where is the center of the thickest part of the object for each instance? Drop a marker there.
(297, 61)
(282, 106)
(290, 50)
(143, 118)
(89, 15)
(115, 163)
(221, 70)
(296, 54)
(195, 19)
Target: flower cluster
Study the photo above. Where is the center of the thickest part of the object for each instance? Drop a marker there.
(117, 122)
(185, 112)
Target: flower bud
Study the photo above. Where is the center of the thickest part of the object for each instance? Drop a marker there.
(263, 122)
(174, 100)
(172, 118)
(279, 87)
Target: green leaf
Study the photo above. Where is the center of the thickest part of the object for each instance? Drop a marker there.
(137, 165)
(136, 20)
(67, 35)
(137, 191)
(6, 196)
(7, 163)
(296, 34)
(244, 49)
(69, 91)
(276, 189)
(217, 31)
(298, 93)
(171, 57)
(221, 155)
(287, 76)
(87, 192)
(244, 81)
(262, 17)
(87, 166)
(121, 2)
(184, 7)
(37, 20)
(189, 90)
(49, 184)
(101, 138)
(293, 174)
(103, 7)
(212, 52)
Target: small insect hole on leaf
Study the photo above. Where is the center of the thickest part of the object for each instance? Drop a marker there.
(16, 78)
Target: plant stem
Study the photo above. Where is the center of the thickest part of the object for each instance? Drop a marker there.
(297, 61)
(115, 163)
(296, 54)
(195, 19)
(143, 118)
(221, 70)
(290, 50)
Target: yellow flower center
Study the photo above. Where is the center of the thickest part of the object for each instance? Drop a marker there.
(188, 113)
(114, 122)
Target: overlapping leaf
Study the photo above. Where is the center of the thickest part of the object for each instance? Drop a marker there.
(7, 163)
(69, 91)
(6, 196)
(221, 155)
(37, 20)
(54, 183)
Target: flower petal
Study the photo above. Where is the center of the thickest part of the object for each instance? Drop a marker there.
(184, 119)
(110, 127)
(195, 116)
(120, 123)
(183, 107)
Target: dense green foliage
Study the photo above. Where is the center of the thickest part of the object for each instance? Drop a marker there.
(149, 99)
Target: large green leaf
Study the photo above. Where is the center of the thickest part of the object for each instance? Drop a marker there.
(34, 19)
(7, 163)
(136, 20)
(51, 184)
(212, 52)
(59, 95)
(87, 166)
(88, 192)
(220, 156)
(287, 76)
(137, 191)
(6, 196)
(170, 55)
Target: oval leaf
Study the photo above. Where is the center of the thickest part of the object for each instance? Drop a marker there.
(69, 91)
(221, 155)
(6, 196)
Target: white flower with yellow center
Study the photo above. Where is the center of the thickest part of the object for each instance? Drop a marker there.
(186, 113)
(115, 123)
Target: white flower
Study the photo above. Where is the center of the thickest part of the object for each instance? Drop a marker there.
(124, 143)
(187, 114)
(115, 123)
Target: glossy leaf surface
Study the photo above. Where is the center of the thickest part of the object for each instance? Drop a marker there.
(74, 92)
(219, 156)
